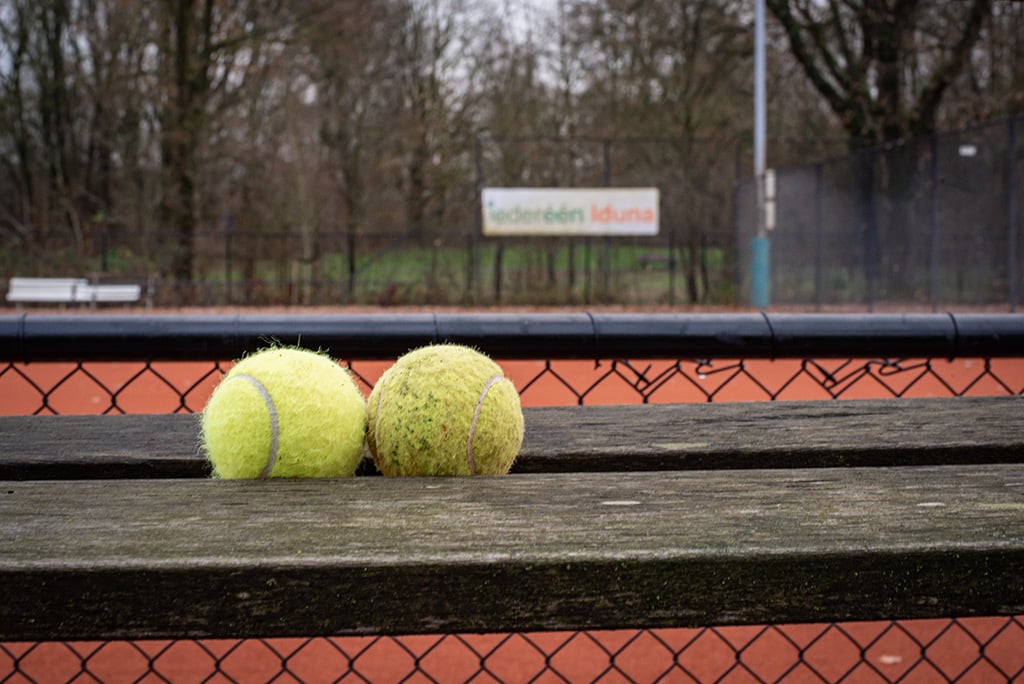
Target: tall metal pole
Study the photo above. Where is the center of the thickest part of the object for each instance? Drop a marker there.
(759, 258)
(759, 96)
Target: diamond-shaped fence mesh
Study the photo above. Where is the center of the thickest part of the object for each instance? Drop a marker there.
(965, 649)
(955, 649)
(183, 386)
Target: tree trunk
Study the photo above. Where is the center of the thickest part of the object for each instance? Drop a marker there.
(188, 54)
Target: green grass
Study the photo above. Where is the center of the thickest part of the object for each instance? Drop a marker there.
(549, 273)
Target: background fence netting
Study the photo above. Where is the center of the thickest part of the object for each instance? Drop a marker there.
(975, 649)
(934, 221)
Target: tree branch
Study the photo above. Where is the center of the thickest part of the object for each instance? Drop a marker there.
(821, 42)
(923, 117)
(841, 103)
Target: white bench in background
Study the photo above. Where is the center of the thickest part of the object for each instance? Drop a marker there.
(108, 294)
(69, 291)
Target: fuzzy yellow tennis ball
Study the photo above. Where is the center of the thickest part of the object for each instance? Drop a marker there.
(444, 410)
(285, 412)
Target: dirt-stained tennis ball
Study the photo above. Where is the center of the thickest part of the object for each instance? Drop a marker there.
(284, 412)
(444, 409)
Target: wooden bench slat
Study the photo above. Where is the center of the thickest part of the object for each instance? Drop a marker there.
(592, 438)
(197, 558)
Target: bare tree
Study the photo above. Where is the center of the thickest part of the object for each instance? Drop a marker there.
(434, 75)
(346, 53)
(883, 66)
(351, 68)
(208, 51)
(678, 72)
(41, 111)
(17, 131)
(992, 83)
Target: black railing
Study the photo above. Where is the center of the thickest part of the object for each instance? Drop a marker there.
(29, 337)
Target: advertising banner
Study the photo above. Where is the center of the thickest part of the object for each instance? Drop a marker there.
(570, 211)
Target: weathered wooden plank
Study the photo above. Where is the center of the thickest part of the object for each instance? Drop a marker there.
(924, 431)
(100, 447)
(153, 558)
(588, 438)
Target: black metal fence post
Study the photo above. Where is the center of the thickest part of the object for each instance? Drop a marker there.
(478, 224)
(1011, 211)
(104, 246)
(498, 268)
(870, 228)
(606, 287)
(818, 237)
(350, 242)
(229, 225)
(737, 183)
(933, 223)
(588, 274)
(672, 265)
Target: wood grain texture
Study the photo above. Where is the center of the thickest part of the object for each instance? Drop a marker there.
(588, 438)
(195, 558)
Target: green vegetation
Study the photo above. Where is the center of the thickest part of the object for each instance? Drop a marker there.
(553, 272)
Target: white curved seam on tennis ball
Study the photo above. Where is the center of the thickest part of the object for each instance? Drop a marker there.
(476, 416)
(269, 401)
(376, 423)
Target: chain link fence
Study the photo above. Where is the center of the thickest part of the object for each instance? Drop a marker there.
(442, 257)
(974, 649)
(956, 649)
(183, 387)
(934, 222)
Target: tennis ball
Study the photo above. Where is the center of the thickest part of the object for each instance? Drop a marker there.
(284, 412)
(444, 409)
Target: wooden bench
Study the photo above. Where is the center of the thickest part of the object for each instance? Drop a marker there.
(69, 291)
(624, 516)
